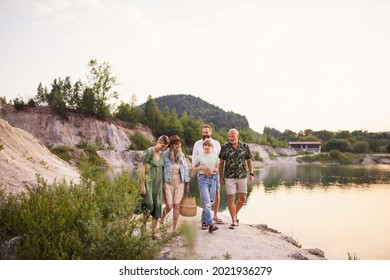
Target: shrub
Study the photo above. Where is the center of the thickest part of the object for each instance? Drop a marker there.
(93, 220)
(340, 157)
(360, 147)
(139, 142)
(257, 156)
(62, 152)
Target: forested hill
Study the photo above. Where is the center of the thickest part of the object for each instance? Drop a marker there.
(196, 107)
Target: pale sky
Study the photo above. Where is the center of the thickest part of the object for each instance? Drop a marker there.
(285, 64)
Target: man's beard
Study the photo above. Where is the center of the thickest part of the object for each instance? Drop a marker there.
(206, 137)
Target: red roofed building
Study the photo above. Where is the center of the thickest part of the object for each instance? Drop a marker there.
(310, 146)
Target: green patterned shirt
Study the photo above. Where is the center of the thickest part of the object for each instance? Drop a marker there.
(235, 160)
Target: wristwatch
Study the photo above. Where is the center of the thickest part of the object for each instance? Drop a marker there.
(251, 174)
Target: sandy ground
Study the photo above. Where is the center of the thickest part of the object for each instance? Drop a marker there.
(246, 242)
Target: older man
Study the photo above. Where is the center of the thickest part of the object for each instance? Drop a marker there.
(235, 158)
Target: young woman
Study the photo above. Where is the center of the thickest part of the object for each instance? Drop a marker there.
(176, 175)
(151, 171)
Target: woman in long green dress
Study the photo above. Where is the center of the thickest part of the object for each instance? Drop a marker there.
(151, 183)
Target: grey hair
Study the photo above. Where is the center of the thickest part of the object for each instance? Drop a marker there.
(234, 130)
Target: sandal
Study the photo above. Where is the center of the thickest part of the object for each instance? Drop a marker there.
(204, 226)
(212, 228)
(218, 221)
(233, 226)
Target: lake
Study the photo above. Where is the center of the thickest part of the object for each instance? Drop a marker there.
(338, 209)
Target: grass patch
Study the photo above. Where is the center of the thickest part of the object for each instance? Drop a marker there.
(334, 156)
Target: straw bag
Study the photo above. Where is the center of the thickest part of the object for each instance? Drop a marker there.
(188, 206)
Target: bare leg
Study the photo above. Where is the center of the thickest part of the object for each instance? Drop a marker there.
(176, 212)
(154, 229)
(145, 219)
(240, 202)
(166, 211)
(216, 204)
(232, 208)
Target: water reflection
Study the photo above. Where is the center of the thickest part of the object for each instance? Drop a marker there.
(338, 209)
(311, 176)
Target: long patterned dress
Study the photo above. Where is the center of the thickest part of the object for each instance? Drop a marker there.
(152, 201)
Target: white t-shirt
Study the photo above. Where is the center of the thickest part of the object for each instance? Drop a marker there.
(198, 148)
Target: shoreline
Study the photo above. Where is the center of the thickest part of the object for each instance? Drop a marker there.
(246, 242)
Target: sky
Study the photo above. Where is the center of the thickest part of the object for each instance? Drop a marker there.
(302, 64)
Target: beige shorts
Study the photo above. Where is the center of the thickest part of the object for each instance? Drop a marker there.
(174, 190)
(234, 186)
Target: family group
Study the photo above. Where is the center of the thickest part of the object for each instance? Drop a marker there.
(164, 174)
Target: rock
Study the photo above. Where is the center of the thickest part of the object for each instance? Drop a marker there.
(290, 240)
(316, 252)
(297, 256)
(23, 157)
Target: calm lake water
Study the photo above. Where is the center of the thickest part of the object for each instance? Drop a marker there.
(338, 209)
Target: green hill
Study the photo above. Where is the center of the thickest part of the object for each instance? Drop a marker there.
(196, 107)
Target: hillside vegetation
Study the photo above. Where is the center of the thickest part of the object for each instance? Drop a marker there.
(198, 108)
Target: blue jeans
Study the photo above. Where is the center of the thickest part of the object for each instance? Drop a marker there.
(207, 186)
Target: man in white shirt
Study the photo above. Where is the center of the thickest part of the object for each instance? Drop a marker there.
(198, 148)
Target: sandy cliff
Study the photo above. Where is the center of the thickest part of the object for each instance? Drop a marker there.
(23, 156)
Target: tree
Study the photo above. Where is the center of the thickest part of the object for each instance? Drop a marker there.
(191, 129)
(153, 116)
(324, 135)
(60, 94)
(360, 147)
(338, 144)
(288, 135)
(41, 98)
(101, 82)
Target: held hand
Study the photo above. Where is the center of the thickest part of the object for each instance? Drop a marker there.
(187, 187)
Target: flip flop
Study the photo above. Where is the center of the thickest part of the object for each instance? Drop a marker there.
(233, 226)
(218, 221)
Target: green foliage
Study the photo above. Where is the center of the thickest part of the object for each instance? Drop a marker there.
(338, 144)
(269, 140)
(62, 151)
(248, 136)
(139, 142)
(93, 220)
(257, 156)
(360, 147)
(192, 129)
(334, 156)
(3, 100)
(101, 81)
(129, 113)
(153, 116)
(198, 108)
(18, 103)
(340, 157)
